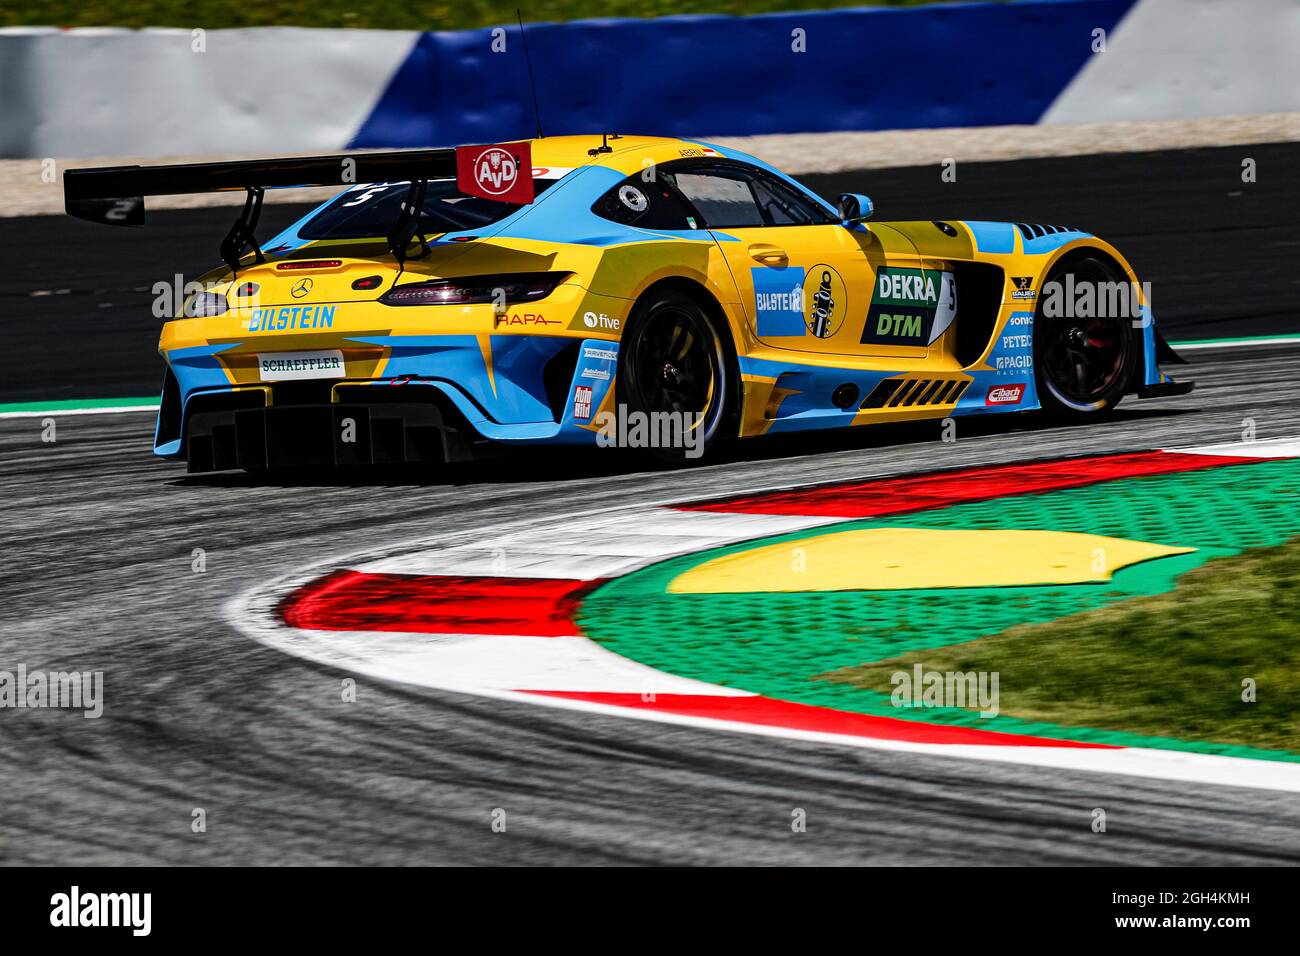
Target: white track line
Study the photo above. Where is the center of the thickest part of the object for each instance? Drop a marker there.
(1233, 343)
(594, 546)
(1263, 448)
(58, 412)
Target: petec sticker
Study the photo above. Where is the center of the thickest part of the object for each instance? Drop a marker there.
(910, 306)
(1013, 351)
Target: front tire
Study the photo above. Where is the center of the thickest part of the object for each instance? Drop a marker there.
(1083, 365)
(673, 359)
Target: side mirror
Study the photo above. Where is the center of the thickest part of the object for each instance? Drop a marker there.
(854, 207)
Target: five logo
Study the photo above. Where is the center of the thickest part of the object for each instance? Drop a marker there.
(594, 320)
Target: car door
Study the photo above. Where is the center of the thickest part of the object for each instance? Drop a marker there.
(806, 281)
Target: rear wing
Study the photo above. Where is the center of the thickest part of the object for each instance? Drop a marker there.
(114, 195)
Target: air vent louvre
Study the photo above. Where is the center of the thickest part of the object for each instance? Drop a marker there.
(915, 393)
(1034, 230)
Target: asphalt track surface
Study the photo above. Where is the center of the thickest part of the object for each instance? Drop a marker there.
(1220, 254)
(96, 575)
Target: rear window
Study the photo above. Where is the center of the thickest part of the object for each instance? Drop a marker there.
(646, 204)
(369, 211)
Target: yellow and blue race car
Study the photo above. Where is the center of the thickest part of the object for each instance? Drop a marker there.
(550, 291)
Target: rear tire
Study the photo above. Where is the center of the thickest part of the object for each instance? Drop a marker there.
(1083, 366)
(673, 358)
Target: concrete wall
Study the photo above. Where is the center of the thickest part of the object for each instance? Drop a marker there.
(149, 93)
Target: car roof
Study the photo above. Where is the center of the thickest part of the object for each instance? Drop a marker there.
(627, 154)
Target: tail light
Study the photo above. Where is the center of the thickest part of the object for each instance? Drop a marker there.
(299, 264)
(205, 305)
(507, 288)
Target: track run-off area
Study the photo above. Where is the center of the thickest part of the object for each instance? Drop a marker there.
(100, 576)
(510, 610)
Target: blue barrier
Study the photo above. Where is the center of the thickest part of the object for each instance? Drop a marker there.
(876, 68)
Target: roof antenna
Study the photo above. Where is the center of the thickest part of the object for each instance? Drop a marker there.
(532, 83)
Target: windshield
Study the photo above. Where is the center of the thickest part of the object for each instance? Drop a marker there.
(369, 211)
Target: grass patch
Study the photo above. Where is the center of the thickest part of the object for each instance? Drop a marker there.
(213, 14)
(1170, 665)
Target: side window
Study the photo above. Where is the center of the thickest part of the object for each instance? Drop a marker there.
(646, 205)
(782, 206)
(722, 196)
(692, 195)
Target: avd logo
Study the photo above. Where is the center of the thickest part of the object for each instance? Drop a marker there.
(495, 171)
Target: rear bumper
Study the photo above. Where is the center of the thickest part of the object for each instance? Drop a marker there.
(298, 436)
(469, 392)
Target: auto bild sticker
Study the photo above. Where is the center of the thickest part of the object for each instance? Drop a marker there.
(826, 299)
(910, 306)
(582, 403)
